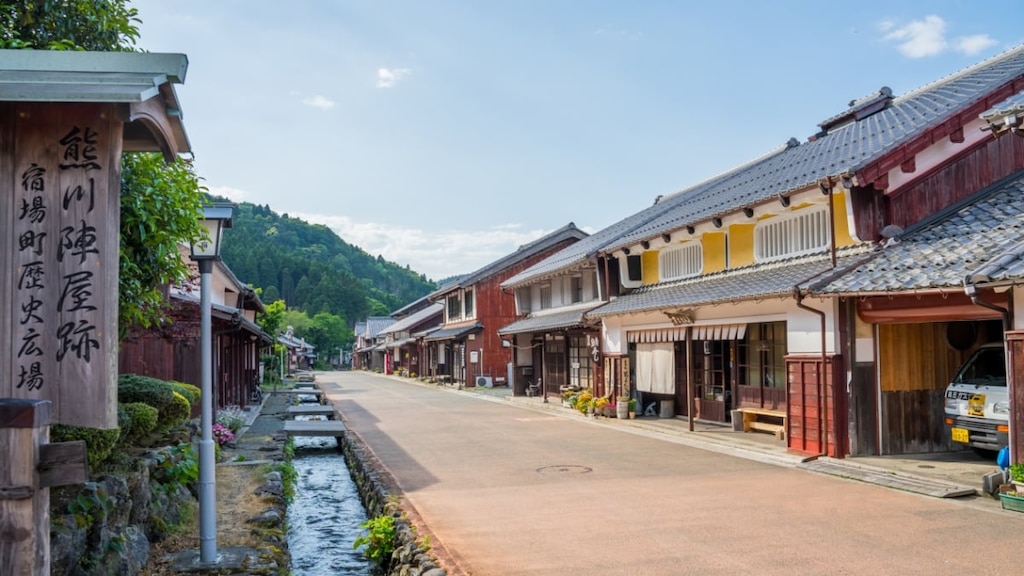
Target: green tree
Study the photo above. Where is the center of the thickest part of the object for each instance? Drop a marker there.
(271, 294)
(328, 333)
(297, 319)
(160, 207)
(160, 203)
(102, 25)
(271, 321)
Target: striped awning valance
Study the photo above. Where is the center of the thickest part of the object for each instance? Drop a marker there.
(678, 333)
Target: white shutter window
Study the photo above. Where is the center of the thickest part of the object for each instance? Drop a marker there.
(802, 232)
(684, 261)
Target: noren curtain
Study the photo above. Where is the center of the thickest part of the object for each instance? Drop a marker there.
(655, 367)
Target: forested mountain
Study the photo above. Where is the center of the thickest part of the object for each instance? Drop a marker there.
(312, 269)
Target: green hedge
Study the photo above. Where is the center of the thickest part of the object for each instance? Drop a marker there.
(190, 392)
(141, 420)
(172, 406)
(99, 444)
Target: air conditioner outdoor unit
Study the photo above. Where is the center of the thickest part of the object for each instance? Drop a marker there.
(484, 382)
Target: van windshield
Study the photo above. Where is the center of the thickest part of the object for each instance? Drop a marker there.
(986, 368)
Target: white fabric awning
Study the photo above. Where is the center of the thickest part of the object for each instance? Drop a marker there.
(678, 333)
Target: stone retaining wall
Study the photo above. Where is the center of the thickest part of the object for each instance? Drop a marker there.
(410, 557)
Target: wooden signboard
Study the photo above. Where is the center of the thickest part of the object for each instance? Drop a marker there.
(59, 219)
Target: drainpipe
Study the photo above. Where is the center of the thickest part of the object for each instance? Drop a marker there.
(822, 418)
(972, 292)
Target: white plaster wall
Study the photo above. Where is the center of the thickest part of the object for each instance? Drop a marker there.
(804, 328)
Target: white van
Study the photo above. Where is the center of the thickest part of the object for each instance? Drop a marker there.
(977, 402)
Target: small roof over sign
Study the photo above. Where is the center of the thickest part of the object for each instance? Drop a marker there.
(137, 79)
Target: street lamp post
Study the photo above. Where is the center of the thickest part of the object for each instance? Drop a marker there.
(204, 252)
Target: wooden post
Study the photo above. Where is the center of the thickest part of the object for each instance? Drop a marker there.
(24, 502)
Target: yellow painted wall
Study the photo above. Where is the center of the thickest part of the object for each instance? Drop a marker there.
(649, 266)
(841, 220)
(741, 245)
(713, 244)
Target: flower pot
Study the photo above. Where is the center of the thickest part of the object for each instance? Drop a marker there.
(1012, 502)
(622, 409)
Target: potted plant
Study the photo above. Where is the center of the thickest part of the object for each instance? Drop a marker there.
(1017, 476)
(1012, 496)
(632, 407)
(622, 407)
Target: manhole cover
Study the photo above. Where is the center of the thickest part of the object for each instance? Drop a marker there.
(925, 466)
(564, 469)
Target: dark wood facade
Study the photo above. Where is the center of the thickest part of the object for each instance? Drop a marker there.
(172, 353)
(1015, 351)
(943, 186)
(896, 401)
(494, 308)
(817, 414)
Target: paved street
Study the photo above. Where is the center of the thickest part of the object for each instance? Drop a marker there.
(508, 490)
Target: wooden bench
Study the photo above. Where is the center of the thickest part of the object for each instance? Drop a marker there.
(764, 420)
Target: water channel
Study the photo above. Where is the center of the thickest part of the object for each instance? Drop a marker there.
(324, 517)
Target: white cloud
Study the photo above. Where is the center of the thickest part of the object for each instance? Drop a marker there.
(436, 254)
(319, 101)
(919, 38)
(233, 194)
(922, 38)
(389, 77)
(973, 45)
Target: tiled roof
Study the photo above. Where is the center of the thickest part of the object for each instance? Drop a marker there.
(377, 324)
(412, 320)
(845, 148)
(567, 232)
(579, 253)
(1006, 114)
(772, 280)
(545, 322)
(1005, 267)
(941, 251)
(452, 333)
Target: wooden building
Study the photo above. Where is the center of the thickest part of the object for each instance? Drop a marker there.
(171, 351)
(772, 293)
(467, 348)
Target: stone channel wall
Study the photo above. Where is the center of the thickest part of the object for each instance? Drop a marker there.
(410, 558)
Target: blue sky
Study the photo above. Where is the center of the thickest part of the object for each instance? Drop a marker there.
(444, 134)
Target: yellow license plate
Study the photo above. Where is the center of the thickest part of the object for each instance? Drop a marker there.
(976, 406)
(960, 435)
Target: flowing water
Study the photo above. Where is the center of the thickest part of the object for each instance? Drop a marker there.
(324, 517)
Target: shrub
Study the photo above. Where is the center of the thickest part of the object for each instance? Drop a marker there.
(139, 422)
(99, 444)
(173, 407)
(191, 393)
(178, 412)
